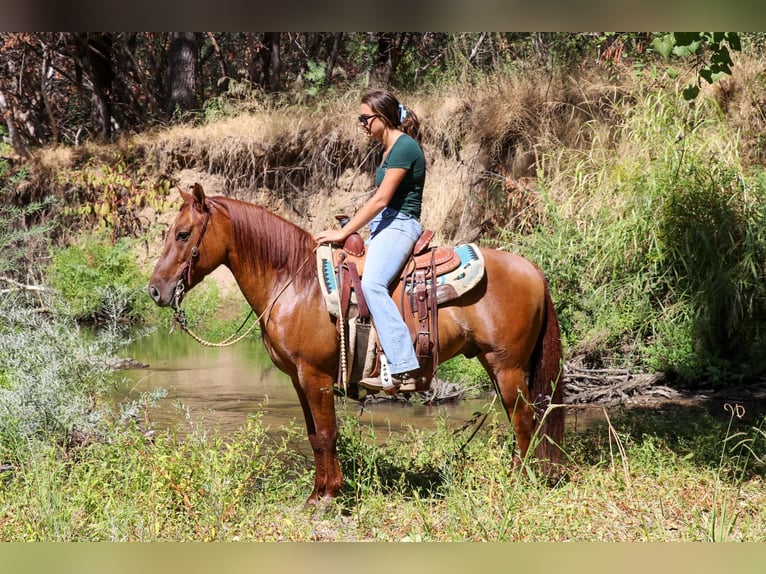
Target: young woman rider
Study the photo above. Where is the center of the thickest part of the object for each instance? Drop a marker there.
(393, 214)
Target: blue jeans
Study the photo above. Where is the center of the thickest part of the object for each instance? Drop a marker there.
(392, 237)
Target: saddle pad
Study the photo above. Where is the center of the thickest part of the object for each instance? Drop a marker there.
(463, 278)
(467, 274)
(327, 279)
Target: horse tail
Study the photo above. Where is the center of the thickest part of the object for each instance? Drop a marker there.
(546, 387)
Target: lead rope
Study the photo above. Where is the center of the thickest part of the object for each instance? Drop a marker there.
(181, 320)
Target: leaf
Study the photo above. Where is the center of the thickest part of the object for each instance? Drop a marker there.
(721, 56)
(691, 93)
(686, 38)
(733, 39)
(664, 45)
(686, 50)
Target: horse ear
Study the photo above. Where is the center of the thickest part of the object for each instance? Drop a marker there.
(199, 197)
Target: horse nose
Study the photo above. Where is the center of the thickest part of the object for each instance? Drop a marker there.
(154, 293)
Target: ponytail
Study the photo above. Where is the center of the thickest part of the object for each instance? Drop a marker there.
(397, 115)
(409, 122)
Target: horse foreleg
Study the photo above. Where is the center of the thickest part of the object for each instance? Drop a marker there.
(318, 402)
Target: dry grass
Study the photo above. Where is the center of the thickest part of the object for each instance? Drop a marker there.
(310, 162)
(486, 144)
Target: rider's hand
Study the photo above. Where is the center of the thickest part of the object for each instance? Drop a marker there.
(331, 236)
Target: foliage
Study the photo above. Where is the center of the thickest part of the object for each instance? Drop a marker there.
(123, 85)
(630, 478)
(113, 194)
(99, 281)
(22, 244)
(715, 248)
(316, 76)
(53, 378)
(655, 256)
(50, 377)
(467, 372)
(696, 44)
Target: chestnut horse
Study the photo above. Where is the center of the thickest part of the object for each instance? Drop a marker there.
(507, 321)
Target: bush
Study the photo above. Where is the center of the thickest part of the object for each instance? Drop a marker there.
(22, 245)
(99, 281)
(52, 378)
(654, 247)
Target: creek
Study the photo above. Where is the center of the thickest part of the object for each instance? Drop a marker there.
(218, 388)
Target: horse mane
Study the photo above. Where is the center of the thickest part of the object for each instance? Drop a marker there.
(268, 242)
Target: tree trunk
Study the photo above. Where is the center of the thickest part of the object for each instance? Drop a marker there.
(182, 72)
(44, 71)
(6, 108)
(98, 57)
(333, 57)
(382, 68)
(275, 65)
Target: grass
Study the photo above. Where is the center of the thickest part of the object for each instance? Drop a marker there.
(416, 487)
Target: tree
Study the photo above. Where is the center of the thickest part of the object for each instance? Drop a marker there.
(182, 72)
(93, 52)
(17, 142)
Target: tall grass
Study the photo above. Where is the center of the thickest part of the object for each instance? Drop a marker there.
(414, 486)
(654, 244)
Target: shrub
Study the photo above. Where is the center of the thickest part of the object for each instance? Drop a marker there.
(99, 280)
(653, 246)
(52, 377)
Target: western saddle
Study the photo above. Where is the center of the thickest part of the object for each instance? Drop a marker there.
(415, 293)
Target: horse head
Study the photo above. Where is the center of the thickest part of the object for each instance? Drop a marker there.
(191, 250)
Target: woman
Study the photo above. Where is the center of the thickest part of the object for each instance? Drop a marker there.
(393, 213)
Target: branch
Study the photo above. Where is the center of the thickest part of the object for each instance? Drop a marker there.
(16, 286)
(475, 50)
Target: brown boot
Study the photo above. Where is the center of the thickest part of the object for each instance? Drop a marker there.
(401, 382)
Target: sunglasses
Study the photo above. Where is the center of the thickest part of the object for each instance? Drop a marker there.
(364, 118)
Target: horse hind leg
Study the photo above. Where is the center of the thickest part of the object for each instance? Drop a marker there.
(533, 426)
(511, 385)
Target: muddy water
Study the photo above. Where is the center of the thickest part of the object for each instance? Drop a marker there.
(219, 388)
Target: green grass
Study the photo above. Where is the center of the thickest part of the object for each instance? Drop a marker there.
(653, 243)
(627, 480)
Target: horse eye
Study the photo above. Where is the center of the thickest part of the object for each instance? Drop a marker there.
(183, 235)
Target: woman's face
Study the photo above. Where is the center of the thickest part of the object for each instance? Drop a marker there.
(372, 123)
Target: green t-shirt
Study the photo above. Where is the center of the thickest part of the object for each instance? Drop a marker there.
(406, 153)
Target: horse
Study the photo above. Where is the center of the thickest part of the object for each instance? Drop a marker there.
(508, 321)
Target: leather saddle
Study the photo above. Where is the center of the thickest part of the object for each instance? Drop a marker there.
(432, 276)
(436, 260)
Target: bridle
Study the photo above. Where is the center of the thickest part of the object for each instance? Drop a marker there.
(185, 275)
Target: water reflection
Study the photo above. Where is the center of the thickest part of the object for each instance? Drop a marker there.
(219, 387)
